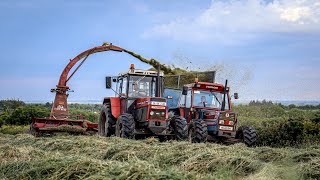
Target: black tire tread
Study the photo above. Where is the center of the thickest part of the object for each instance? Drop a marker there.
(106, 108)
(248, 135)
(181, 128)
(128, 125)
(200, 130)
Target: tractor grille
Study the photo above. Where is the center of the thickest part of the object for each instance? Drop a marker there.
(223, 116)
(158, 114)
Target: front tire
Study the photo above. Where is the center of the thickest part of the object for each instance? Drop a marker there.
(125, 126)
(198, 132)
(180, 128)
(248, 135)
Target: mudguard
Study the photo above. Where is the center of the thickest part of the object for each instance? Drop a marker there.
(115, 105)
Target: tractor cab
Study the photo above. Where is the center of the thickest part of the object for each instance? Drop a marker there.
(210, 102)
(136, 87)
(138, 101)
(136, 83)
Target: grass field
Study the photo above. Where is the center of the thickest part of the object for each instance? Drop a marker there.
(93, 157)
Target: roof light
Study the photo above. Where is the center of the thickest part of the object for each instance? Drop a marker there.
(131, 66)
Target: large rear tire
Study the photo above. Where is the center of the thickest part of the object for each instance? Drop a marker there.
(180, 128)
(198, 132)
(125, 126)
(106, 121)
(248, 135)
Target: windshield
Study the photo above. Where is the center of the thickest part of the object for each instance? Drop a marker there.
(209, 99)
(142, 86)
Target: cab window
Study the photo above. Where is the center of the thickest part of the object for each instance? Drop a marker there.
(122, 82)
(188, 99)
(182, 101)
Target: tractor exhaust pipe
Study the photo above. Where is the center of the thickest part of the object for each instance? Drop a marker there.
(224, 96)
(158, 91)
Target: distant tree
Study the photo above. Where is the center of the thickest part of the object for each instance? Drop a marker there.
(281, 105)
(23, 115)
(4, 117)
(293, 130)
(291, 106)
(48, 105)
(9, 105)
(316, 117)
(297, 114)
(1, 121)
(271, 111)
(252, 103)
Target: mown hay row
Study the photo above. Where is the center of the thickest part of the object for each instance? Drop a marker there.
(94, 157)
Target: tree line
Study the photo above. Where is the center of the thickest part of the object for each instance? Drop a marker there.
(16, 112)
(276, 124)
(280, 125)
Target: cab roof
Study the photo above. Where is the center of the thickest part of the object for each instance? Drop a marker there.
(206, 86)
(141, 72)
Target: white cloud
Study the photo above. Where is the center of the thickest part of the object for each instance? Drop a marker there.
(295, 14)
(237, 20)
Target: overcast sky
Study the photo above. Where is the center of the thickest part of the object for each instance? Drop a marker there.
(267, 49)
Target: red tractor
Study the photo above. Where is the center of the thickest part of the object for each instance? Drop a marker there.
(139, 109)
(208, 110)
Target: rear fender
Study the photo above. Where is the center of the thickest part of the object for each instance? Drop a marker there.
(115, 105)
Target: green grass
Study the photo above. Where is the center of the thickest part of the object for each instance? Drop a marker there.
(11, 129)
(93, 157)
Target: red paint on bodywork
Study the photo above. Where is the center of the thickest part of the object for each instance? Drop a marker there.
(142, 102)
(40, 123)
(182, 111)
(115, 106)
(206, 86)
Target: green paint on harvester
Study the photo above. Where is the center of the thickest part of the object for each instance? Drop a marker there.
(154, 63)
(172, 74)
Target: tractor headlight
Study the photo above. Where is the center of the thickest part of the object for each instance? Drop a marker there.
(221, 121)
(151, 113)
(163, 113)
(231, 122)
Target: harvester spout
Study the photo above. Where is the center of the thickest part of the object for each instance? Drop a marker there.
(60, 105)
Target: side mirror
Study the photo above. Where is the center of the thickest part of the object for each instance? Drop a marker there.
(108, 82)
(184, 90)
(236, 96)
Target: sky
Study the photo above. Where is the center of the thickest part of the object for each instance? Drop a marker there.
(266, 49)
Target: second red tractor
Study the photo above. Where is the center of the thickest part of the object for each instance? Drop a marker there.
(208, 110)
